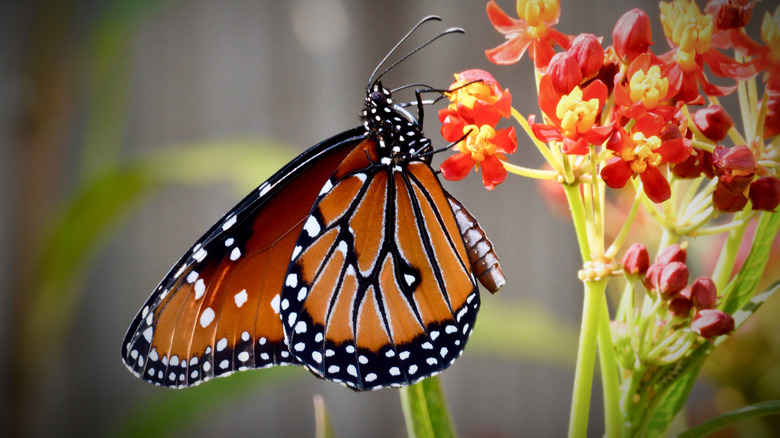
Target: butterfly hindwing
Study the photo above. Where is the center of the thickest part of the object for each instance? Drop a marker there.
(380, 291)
(214, 313)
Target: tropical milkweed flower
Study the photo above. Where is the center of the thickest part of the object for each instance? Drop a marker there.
(532, 31)
(483, 148)
(574, 116)
(648, 86)
(690, 34)
(641, 152)
(477, 105)
(476, 99)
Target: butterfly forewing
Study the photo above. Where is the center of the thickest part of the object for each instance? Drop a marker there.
(379, 292)
(217, 311)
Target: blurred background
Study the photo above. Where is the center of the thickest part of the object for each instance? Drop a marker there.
(128, 127)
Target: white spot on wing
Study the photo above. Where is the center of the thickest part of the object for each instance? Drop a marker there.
(229, 222)
(206, 317)
(292, 280)
(200, 288)
(326, 188)
(240, 298)
(221, 344)
(275, 303)
(312, 227)
(191, 277)
(148, 334)
(200, 255)
(235, 254)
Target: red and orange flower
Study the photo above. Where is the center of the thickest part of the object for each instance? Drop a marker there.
(640, 152)
(532, 31)
(477, 105)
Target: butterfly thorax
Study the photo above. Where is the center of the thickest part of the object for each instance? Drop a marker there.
(398, 133)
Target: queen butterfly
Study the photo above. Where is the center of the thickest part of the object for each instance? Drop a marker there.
(352, 260)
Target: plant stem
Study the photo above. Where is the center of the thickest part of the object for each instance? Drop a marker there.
(586, 356)
(609, 373)
(728, 254)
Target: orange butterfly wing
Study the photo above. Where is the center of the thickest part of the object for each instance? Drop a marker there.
(380, 290)
(214, 313)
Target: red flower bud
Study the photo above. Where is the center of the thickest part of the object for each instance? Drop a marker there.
(713, 121)
(680, 306)
(636, 260)
(765, 193)
(632, 35)
(672, 279)
(735, 167)
(730, 14)
(564, 72)
(672, 253)
(586, 50)
(725, 201)
(702, 293)
(651, 276)
(710, 323)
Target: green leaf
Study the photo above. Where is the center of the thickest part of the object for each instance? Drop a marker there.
(425, 410)
(770, 407)
(170, 411)
(745, 284)
(323, 426)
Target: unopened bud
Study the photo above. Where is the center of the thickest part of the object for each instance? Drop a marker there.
(714, 122)
(632, 35)
(672, 279)
(672, 253)
(765, 193)
(710, 323)
(636, 260)
(702, 293)
(586, 50)
(564, 72)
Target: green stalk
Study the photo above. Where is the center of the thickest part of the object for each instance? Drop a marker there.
(609, 373)
(586, 356)
(425, 410)
(728, 254)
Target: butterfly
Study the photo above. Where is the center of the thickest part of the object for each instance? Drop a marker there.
(351, 260)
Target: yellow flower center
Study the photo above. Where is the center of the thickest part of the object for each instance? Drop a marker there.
(770, 33)
(478, 142)
(643, 153)
(688, 28)
(649, 88)
(537, 12)
(577, 115)
(469, 94)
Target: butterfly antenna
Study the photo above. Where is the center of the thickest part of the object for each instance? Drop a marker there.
(422, 46)
(408, 34)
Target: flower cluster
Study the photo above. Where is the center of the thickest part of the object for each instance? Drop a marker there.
(477, 105)
(636, 138)
(667, 280)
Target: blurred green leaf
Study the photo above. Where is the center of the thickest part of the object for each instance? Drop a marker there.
(323, 426)
(172, 411)
(770, 407)
(95, 209)
(425, 410)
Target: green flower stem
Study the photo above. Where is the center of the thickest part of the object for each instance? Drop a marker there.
(578, 217)
(625, 228)
(529, 173)
(543, 149)
(425, 410)
(728, 254)
(586, 357)
(610, 380)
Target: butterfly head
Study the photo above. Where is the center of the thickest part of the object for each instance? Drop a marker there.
(397, 132)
